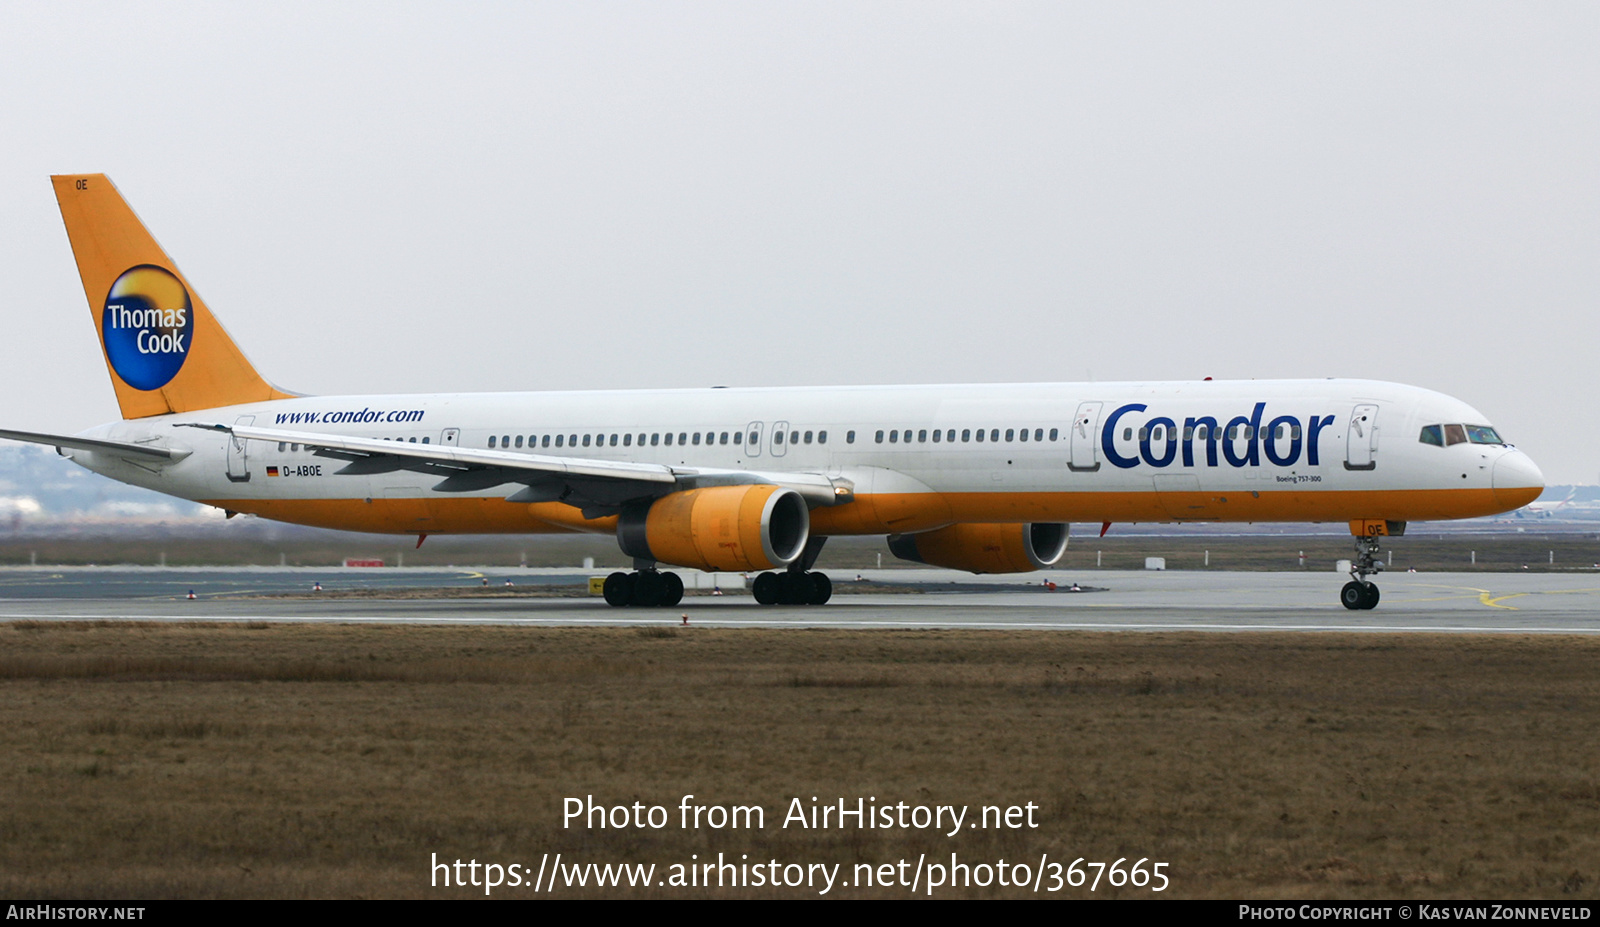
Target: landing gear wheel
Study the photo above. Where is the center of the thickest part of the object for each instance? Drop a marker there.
(801, 589)
(648, 588)
(1359, 596)
(821, 589)
(766, 589)
(672, 591)
(618, 589)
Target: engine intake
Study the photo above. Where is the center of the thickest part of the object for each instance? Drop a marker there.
(734, 528)
(985, 548)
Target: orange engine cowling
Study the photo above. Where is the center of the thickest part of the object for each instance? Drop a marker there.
(719, 528)
(985, 548)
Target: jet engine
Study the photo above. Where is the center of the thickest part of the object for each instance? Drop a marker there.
(733, 528)
(985, 548)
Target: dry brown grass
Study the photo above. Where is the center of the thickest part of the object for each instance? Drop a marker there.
(145, 760)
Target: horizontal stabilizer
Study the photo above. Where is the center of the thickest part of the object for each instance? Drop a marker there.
(95, 444)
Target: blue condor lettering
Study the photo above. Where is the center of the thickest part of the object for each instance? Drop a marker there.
(1160, 442)
(364, 416)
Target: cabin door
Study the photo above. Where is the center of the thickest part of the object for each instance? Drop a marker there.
(239, 453)
(1084, 426)
(1361, 440)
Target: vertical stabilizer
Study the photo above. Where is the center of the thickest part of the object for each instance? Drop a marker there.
(164, 349)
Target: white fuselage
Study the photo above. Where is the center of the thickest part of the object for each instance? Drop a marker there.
(1300, 450)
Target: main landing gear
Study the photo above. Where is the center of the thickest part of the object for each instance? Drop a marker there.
(648, 588)
(792, 587)
(1360, 593)
(797, 585)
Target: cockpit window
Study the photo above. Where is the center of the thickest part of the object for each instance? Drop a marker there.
(1432, 434)
(1483, 434)
(1454, 434)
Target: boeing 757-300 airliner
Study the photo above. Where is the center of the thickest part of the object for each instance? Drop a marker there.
(983, 478)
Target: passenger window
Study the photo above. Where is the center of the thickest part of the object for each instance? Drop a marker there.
(413, 440)
(585, 440)
(1038, 434)
(794, 437)
(613, 440)
(491, 440)
(669, 439)
(1054, 434)
(1233, 432)
(1127, 434)
(936, 435)
(545, 441)
(894, 436)
(879, 437)
(1188, 432)
(572, 440)
(282, 446)
(850, 437)
(808, 437)
(519, 440)
(922, 436)
(655, 438)
(738, 436)
(966, 435)
(696, 441)
(560, 440)
(1294, 432)
(980, 435)
(822, 437)
(627, 440)
(1022, 434)
(1454, 434)
(425, 440)
(994, 434)
(1201, 432)
(1144, 434)
(950, 436)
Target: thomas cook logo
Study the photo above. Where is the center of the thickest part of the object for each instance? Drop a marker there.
(147, 327)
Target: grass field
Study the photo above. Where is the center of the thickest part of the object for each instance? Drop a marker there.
(270, 760)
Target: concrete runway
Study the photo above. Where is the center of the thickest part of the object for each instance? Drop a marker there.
(1542, 603)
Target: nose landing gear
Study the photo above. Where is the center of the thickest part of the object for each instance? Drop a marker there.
(1361, 593)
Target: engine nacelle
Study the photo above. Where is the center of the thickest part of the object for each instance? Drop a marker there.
(985, 548)
(734, 528)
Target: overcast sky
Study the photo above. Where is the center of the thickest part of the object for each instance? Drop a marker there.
(427, 197)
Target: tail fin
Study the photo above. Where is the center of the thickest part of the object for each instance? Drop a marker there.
(164, 349)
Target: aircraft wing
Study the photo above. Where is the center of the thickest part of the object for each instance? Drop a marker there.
(121, 448)
(597, 486)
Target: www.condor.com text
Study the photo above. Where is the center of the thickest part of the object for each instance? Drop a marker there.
(923, 875)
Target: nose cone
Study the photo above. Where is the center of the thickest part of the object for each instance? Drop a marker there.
(1517, 480)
